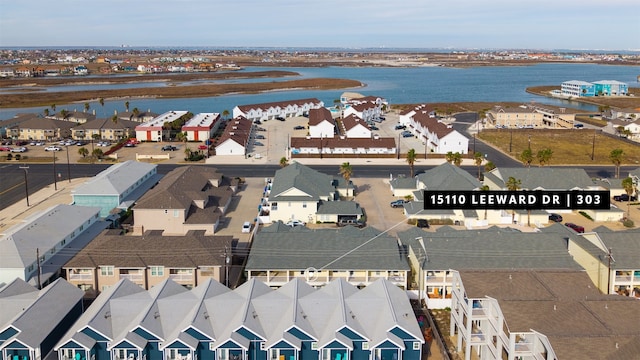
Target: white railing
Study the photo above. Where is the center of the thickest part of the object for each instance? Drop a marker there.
(80, 276)
(181, 277)
(132, 277)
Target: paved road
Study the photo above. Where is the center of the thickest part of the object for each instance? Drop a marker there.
(12, 184)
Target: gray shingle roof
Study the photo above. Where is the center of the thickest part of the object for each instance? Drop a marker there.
(624, 245)
(564, 306)
(297, 176)
(548, 178)
(340, 208)
(448, 177)
(491, 249)
(153, 249)
(325, 248)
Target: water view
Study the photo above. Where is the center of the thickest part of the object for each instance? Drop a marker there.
(398, 85)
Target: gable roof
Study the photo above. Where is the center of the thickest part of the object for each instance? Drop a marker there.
(565, 307)
(192, 250)
(346, 248)
(316, 116)
(36, 314)
(281, 104)
(492, 248)
(116, 179)
(185, 184)
(447, 176)
(298, 176)
(548, 178)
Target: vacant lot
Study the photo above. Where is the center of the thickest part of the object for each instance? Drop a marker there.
(573, 146)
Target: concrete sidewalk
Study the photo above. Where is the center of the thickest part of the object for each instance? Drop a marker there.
(41, 200)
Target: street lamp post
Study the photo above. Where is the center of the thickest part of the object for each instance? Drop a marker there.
(55, 181)
(68, 166)
(26, 184)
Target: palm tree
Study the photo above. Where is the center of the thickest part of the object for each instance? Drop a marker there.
(83, 151)
(114, 118)
(411, 159)
(485, 188)
(489, 165)
(449, 156)
(46, 112)
(616, 156)
(283, 162)
(457, 159)
(478, 158)
(408, 197)
(544, 156)
(346, 171)
(526, 157)
(53, 107)
(64, 113)
(126, 106)
(225, 114)
(627, 185)
(97, 153)
(513, 184)
(135, 113)
(86, 107)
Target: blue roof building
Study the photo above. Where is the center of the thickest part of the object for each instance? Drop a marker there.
(252, 322)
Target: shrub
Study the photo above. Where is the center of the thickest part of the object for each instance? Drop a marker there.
(628, 223)
(9, 156)
(585, 215)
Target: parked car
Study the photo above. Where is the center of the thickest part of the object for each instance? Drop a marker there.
(353, 222)
(400, 127)
(422, 223)
(577, 228)
(246, 227)
(397, 203)
(257, 143)
(261, 129)
(555, 217)
(294, 223)
(36, 143)
(578, 126)
(21, 143)
(407, 133)
(257, 122)
(373, 127)
(279, 118)
(169, 148)
(130, 144)
(298, 127)
(81, 143)
(19, 149)
(625, 197)
(53, 148)
(202, 147)
(5, 148)
(260, 136)
(103, 143)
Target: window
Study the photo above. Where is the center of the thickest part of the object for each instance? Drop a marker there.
(64, 241)
(365, 345)
(274, 206)
(176, 213)
(106, 270)
(314, 345)
(416, 345)
(157, 270)
(304, 205)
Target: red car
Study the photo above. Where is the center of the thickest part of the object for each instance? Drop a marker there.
(203, 147)
(5, 148)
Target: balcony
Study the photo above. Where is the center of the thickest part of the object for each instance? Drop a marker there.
(135, 277)
(80, 277)
(181, 277)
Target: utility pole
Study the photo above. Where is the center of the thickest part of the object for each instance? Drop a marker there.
(26, 183)
(227, 261)
(511, 140)
(39, 270)
(55, 181)
(68, 166)
(593, 148)
(609, 259)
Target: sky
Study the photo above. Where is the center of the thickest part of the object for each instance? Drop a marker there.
(455, 24)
